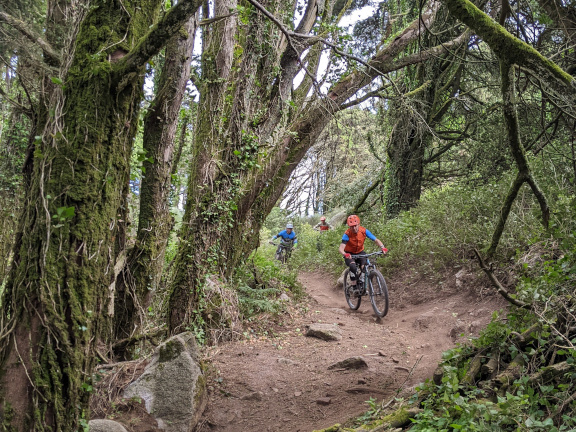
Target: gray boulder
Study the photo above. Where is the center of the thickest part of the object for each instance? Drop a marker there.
(173, 386)
(105, 426)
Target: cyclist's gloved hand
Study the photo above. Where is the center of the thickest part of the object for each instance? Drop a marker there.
(271, 242)
(347, 256)
(384, 250)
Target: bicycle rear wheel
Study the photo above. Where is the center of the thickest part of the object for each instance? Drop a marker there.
(352, 299)
(378, 293)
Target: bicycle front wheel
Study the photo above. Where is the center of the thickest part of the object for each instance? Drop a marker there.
(353, 299)
(378, 293)
(280, 255)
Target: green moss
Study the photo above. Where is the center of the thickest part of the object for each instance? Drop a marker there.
(335, 428)
(200, 389)
(397, 418)
(503, 43)
(7, 417)
(170, 350)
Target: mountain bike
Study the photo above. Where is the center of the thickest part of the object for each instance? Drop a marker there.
(369, 281)
(284, 250)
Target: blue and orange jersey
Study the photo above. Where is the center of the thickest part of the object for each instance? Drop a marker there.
(355, 241)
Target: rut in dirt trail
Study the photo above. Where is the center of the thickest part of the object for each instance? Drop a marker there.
(283, 383)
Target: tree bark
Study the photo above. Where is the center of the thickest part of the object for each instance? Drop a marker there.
(142, 274)
(57, 303)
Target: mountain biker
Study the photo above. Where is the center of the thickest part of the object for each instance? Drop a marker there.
(353, 243)
(322, 225)
(288, 238)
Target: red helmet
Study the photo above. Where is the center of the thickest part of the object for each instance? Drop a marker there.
(353, 220)
(323, 218)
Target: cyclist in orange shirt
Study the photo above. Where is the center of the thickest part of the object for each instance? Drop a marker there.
(322, 225)
(353, 244)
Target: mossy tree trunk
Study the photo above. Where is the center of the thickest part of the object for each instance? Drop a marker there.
(143, 270)
(58, 302)
(250, 136)
(435, 83)
(405, 166)
(12, 151)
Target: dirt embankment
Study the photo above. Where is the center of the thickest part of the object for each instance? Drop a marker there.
(281, 381)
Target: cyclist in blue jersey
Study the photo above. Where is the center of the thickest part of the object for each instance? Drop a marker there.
(288, 235)
(288, 239)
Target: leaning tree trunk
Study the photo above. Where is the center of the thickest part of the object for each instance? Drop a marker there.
(142, 273)
(249, 138)
(58, 301)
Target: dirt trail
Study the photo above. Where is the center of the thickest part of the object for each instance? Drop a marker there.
(281, 382)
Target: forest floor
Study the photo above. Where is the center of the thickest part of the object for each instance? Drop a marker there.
(278, 379)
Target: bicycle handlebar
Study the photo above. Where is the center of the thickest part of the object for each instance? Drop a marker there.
(366, 255)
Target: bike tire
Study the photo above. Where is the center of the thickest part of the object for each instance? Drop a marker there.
(281, 256)
(352, 299)
(378, 293)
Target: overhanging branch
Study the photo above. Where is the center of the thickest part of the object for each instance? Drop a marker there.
(507, 47)
(158, 36)
(24, 29)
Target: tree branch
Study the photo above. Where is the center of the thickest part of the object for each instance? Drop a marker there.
(505, 211)
(376, 93)
(501, 290)
(125, 343)
(158, 36)
(507, 47)
(24, 28)
(26, 110)
(366, 195)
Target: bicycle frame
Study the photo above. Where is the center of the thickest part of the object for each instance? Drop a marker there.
(369, 266)
(374, 285)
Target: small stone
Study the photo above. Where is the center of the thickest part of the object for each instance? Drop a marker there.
(297, 394)
(395, 361)
(326, 332)
(381, 353)
(286, 361)
(255, 396)
(361, 381)
(323, 401)
(350, 363)
(274, 389)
